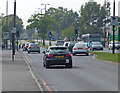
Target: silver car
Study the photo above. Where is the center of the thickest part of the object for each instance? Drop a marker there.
(80, 48)
(96, 46)
(33, 47)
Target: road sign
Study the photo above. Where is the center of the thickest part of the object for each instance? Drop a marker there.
(13, 30)
(114, 20)
(6, 35)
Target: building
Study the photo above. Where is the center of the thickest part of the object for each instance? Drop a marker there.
(119, 9)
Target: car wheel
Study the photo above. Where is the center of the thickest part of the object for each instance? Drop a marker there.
(70, 65)
(43, 64)
(39, 52)
(73, 54)
(87, 54)
(47, 65)
(28, 52)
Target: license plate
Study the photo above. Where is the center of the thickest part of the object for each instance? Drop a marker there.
(67, 60)
(59, 56)
(33, 48)
(80, 48)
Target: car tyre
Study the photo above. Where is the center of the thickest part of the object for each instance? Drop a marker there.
(39, 52)
(43, 64)
(47, 66)
(87, 54)
(28, 52)
(70, 65)
(73, 54)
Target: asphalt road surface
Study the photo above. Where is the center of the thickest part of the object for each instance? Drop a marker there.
(87, 74)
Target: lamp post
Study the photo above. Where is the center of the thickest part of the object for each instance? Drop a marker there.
(45, 22)
(113, 52)
(14, 31)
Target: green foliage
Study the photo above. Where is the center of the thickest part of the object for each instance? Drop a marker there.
(63, 22)
(107, 56)
(92, 15)
(10, 23)
(69, 32)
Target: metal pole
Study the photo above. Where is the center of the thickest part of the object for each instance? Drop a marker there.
(13, 34)
(6, 22)
(113, 52)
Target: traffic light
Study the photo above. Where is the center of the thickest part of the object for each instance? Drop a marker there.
(17, 33)
(50, 34)
(76, 32)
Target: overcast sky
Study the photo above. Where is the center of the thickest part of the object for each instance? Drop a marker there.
(25, 8)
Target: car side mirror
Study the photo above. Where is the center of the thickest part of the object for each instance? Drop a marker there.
(43, 52)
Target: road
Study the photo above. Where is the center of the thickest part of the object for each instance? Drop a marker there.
(87, 74)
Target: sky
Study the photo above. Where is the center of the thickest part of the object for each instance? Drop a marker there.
(25, 8)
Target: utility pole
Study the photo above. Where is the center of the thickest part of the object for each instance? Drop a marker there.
(45, 23)
(13, 34)
(6, 22)
(113, 52)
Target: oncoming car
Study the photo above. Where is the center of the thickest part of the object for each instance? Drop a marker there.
(33, 47)
(57, 55)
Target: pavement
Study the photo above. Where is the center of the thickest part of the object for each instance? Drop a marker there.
(16, 75)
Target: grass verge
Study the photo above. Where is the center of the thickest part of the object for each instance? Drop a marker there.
(107, 56)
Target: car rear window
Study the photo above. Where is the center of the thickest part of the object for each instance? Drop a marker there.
(33, 45)
(80, 45)
(58, 49)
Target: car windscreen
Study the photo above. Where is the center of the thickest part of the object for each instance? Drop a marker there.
(58, 50)
(96, 44)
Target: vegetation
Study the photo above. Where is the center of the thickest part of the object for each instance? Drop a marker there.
(62, 22)
(8, 23)
(107, 56)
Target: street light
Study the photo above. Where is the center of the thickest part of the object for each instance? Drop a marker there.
(45, 21)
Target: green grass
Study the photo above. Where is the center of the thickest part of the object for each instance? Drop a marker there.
(107, 56)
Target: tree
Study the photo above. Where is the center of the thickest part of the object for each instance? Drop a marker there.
(42, 24)
(69, 32)
(7, 26)
(91, 17)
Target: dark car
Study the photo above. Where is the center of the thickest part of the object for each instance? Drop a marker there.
(71, 45)
(57, 55)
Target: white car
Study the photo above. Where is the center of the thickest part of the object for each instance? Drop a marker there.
(96, 46)
(80, 48)
(117, 45)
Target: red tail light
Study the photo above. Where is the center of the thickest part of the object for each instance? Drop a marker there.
(29, 47)
(68, 55)
(86, 48)
(68, 47)
(56, 44)
(74, 48)
(48, 56)
(37, 47)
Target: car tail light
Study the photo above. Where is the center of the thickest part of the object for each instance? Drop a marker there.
(37, 47)
(48, 56)
(68, 47)
(74, 48)
(56, 44)
(68, 55)
(86, 48)
(29, 47)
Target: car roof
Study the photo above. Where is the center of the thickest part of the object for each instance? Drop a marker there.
(57, 46)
